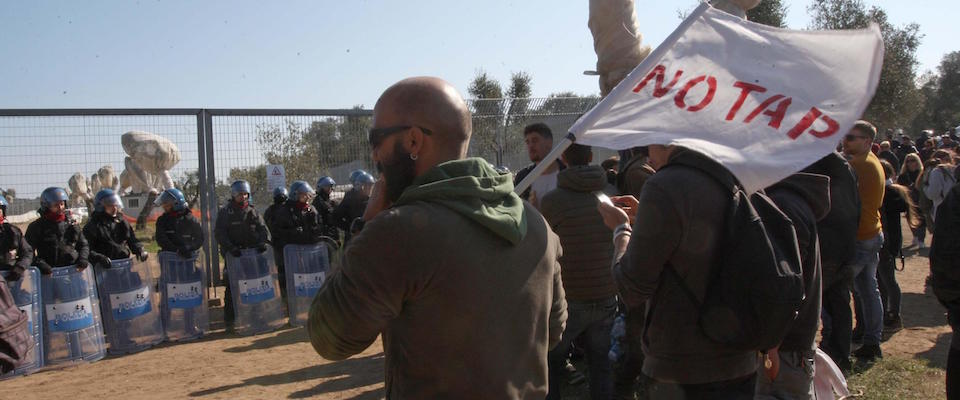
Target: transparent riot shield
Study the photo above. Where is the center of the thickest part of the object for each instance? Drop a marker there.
(26, 294)
(71, 308)
(255, 292)
(183, 300)
(131, 318)
(306, 268)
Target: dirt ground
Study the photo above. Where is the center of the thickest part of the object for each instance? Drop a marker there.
(283, 364)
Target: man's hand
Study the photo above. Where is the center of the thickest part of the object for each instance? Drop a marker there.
(612, 216)
(628, 204)
(378, 200)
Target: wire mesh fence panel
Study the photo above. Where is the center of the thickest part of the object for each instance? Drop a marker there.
(498, 125)
(307, 146)
(84, 153)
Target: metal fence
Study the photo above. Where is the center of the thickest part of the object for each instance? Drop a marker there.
(43, 148)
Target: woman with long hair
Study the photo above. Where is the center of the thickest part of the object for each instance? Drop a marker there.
(896, 200)
(910, 173)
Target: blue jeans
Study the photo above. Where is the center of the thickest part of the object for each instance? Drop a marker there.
(864, 267)
(593, 320)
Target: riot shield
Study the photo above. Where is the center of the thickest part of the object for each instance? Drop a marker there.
(131, 318)
(255, 292)
(183, 300)
(26, 294)
(71, 308)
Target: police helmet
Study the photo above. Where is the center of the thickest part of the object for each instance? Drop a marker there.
(51, 196)
(3, 204)
(106, 197)
(172, 196)
(300, 187)
(280, 194)
(239, 186)
(364, 179)
(325, 181)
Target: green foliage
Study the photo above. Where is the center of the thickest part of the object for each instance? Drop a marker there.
(769, 12)
(485, 87)
(897, 99)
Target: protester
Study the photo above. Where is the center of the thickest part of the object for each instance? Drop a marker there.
(896, 200)
(611, 166)
(109, 234)
(571, 211)
(178, 230)
(680, 360)
(56, 238)
(910, 173)
(945, 281)
(870, 183)
(805, 199)
(354, 203)
(837, 232)
(635, 173)
(17, 253)
(456, 272)
(886, 153)
(238, 227)
(539, 141)
(940, 180)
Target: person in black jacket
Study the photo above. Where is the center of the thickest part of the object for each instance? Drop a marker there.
(297, 222)
(55, 237)
(945, 278)
(838, 234)
(17, 253)
(178, 230)
(325, 206)
(354, 203)
(805, 199)
(238, 227)
(110, 235)
(896, 200)
(280, 196)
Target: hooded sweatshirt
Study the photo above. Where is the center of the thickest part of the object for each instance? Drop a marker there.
(461, 278)
(571, 211)
(805, 199)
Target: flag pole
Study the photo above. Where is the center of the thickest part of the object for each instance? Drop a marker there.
(591, 117)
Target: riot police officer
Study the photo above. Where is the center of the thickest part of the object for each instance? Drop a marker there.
(238, 227)
(177, 229)
(110, 235)
(354, 202)
(57, 240)
(280, 196)
(17, 253)
(325, 206)
(297, 222)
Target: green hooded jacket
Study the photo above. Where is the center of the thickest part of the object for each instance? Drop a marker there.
(472, 188)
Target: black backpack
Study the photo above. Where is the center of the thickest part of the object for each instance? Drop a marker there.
(15, 338)
(755, 288)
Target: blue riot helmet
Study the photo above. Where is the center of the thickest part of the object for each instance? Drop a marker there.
(51, 196)
(172, 196)
(365, 179)
(356, 174)
(3, 204)
(105, 197)
(298, 188)
(325, 182)
(280, 194)
(239, 186)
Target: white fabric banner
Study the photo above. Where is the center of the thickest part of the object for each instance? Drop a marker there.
(762, 101)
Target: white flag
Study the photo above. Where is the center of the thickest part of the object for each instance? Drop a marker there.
(762, 101)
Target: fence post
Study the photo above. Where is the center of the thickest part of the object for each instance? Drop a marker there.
(204, 201)
(211, 196)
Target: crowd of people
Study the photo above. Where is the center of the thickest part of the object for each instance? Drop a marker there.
(480, 291)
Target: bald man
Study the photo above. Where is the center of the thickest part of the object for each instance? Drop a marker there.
(457, 273)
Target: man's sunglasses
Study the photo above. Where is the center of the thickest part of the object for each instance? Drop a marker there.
(376, 135)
